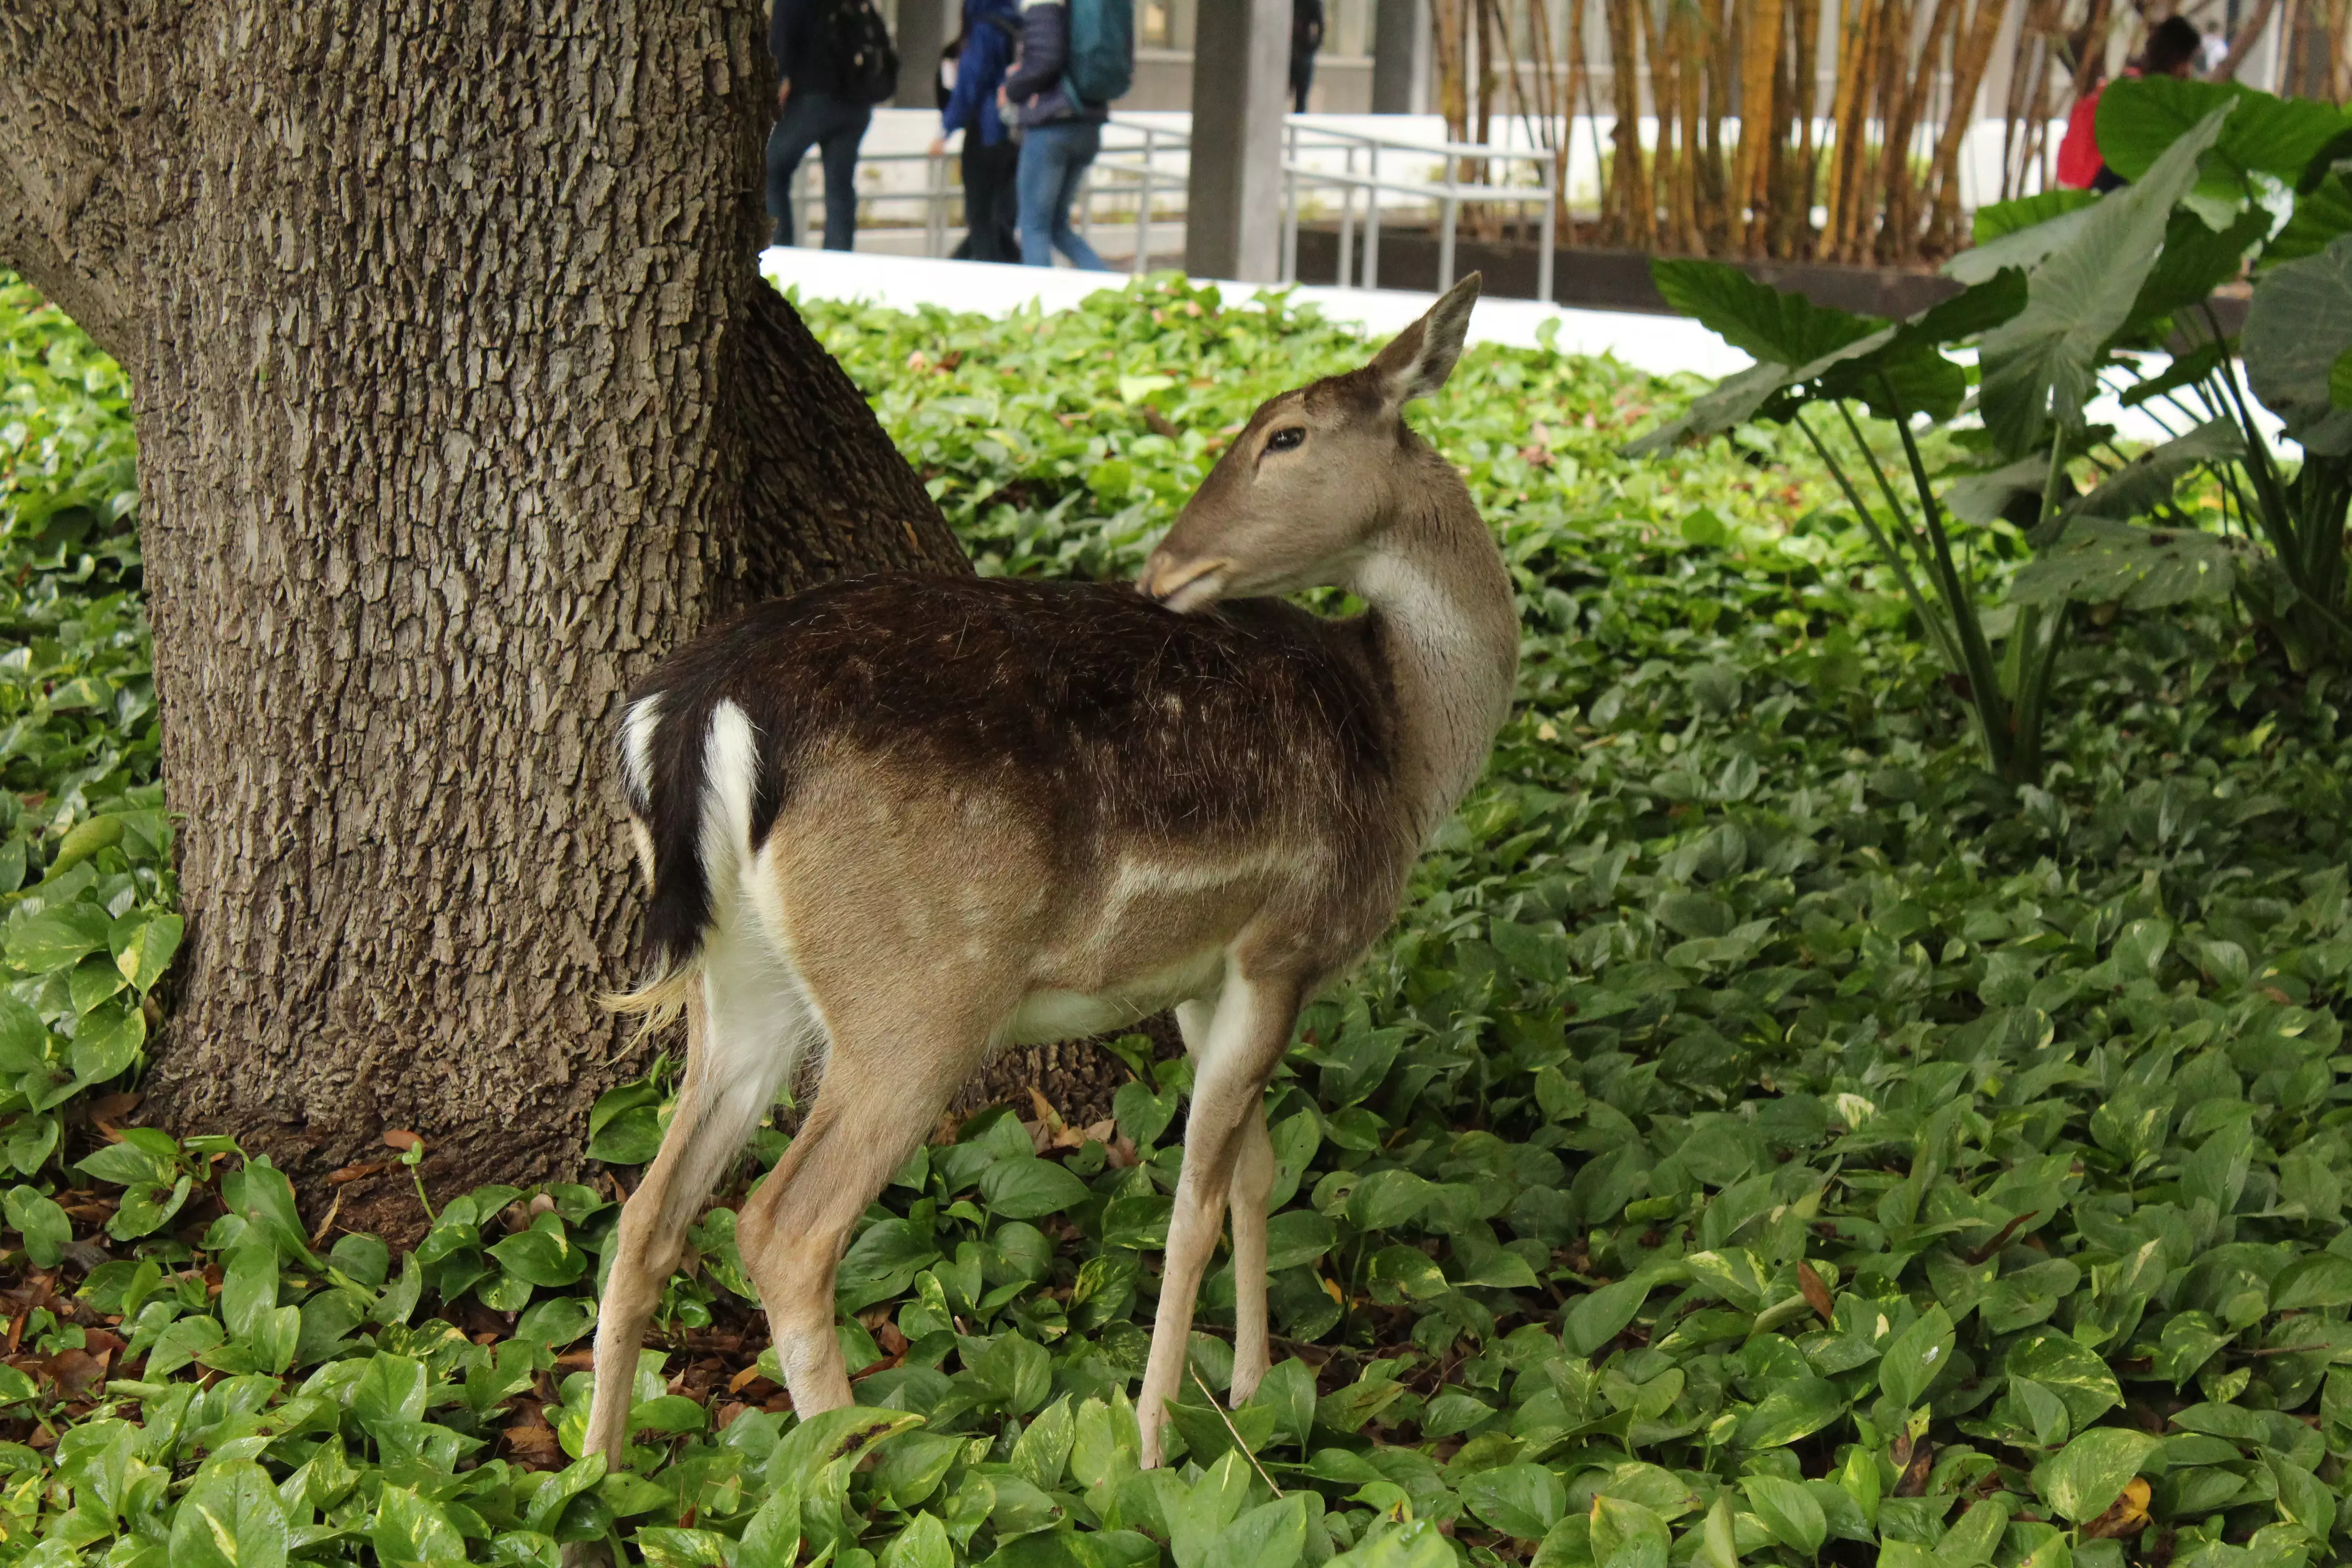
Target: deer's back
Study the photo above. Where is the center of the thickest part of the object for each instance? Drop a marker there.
(1096, 709)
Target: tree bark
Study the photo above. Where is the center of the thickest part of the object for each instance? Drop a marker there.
(459, 401)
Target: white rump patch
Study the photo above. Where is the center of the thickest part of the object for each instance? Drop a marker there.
(637, 725)
(730, 768)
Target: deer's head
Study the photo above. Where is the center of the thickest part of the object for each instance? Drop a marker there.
(1306, 488)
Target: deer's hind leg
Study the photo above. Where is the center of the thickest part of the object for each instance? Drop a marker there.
(747, 1024)
(898, 1056)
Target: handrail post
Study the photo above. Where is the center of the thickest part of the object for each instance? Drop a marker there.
(1142, 260)
(1342, 271)
(1445, 242)
(1372, 222)
(935, 222)
(1289, 271)
(1550, 221)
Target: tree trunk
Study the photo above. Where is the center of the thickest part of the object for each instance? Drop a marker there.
(459, 403)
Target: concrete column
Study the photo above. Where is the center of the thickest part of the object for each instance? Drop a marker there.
(1399, 56)
(1241, 89)
(924, 29)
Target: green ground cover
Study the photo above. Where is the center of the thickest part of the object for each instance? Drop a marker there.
(1766, 1139)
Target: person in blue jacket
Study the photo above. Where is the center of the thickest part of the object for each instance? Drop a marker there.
(812, 111)
(991, 156)
(1059, 138)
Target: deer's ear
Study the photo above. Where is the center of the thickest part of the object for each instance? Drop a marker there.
(1418, 360)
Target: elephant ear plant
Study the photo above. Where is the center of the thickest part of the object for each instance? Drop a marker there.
(2068, 299)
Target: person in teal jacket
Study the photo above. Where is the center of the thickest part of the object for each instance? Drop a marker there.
(1060, 136)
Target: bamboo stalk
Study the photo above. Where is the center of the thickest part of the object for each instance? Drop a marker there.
(1632, 223)
(1550, 110)
(1657, 43)
(1854, 168)
(1580, 85)
(1759, 51)
(1806, 68)
(1970, 54)
(1690, 82)
(1853, 25)
(1899, 227)
(1446, 32)
(1722, 71)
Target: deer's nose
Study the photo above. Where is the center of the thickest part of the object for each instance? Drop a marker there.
(1183, 584)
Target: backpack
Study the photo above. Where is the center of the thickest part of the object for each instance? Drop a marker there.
(1102, 51)
(855, 45)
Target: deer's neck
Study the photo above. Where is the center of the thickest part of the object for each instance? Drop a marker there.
(1448, 630)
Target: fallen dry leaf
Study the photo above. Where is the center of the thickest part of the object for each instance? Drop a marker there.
(1817, 1295)
(2126, 1516)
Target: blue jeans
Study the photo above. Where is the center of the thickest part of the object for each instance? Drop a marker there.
(833, 126)
(1054, 158)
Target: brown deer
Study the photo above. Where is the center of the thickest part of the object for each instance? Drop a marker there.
(895, 824)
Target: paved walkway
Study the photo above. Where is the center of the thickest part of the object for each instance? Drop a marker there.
(1660, 344)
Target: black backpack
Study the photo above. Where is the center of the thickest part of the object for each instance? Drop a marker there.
(856, 46)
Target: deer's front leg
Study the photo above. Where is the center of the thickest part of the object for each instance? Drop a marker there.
(1246, 1037)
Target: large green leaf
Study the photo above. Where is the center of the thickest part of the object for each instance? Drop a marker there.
(2148, 481)
(2101, 562)
(2320, 217)
(1771, 323)
(2195, 261)
(1731, 402)
(2037, 366)
(1995, 219)
(2299, 324)
(2023, 247)
(2141, 118)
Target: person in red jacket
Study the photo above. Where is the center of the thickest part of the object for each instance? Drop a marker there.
(2172, 49)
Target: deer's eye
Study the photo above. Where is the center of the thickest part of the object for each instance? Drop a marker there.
(1285, 439)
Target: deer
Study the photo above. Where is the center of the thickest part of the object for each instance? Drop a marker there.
(893, 824)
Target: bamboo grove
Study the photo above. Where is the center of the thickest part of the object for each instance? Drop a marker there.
(1867, 109)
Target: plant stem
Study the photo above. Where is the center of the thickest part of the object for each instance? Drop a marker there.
(1992, 714)
(1218, 1405)
(1886, 547)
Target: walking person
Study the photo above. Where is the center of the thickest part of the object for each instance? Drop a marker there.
(991, 157)
(834, 64)
(2172, 50)
(1077, 56)
(1306, 37)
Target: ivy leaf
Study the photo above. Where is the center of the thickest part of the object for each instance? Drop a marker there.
(57, 938)
(1789, 1512)
(1026, 1187)
(2091, 1473)
(1522, 1501)
(232, 1518)
(46, 1230)
(1916, 1358)
(142, 944)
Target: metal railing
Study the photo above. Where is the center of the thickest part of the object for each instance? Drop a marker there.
(1128, 174)
(1450, 194)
